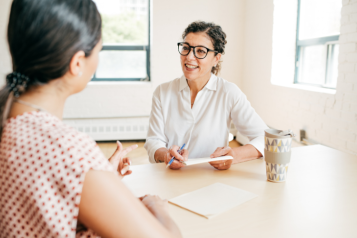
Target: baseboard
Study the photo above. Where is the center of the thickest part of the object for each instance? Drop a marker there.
(112, 128)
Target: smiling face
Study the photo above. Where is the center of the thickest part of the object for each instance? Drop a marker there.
(198, 69)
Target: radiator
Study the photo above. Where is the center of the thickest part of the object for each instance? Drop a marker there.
(109, 129)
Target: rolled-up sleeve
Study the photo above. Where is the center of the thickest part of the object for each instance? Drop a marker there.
(156, 138)
(247, 121)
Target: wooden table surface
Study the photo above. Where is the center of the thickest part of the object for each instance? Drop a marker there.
(319, 198)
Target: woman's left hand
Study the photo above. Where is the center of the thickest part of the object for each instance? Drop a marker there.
(222, 164)
(119, 161)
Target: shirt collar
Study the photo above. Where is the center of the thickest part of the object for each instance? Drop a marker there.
(211, 85)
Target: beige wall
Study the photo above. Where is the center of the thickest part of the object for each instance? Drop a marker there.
(169, 19)
(330, 119)
(5, 60)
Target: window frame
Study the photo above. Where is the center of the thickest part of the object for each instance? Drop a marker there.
(115, 47)
(327, 41)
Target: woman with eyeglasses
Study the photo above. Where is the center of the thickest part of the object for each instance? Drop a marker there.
(197, 109)
(54, 180)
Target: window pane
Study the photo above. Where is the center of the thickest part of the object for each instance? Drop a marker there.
(319, 18)
(332, 66)
(312, 64)
(122, 64)
(124, 21)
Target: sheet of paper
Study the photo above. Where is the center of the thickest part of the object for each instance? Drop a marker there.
(213, 199)
(205, 160)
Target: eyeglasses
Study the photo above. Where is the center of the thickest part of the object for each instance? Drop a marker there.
(200, 52)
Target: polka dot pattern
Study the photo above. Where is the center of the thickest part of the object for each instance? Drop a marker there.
(42, 167)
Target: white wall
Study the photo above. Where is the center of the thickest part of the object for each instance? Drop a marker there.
(329, 119)
(5, 60)
(128, 104)
(169, 19)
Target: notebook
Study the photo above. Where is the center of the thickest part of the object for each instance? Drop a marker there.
(205, 160)
(212, 200)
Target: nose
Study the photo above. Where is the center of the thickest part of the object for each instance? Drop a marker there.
(191, 56)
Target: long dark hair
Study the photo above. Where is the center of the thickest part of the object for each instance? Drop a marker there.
(43, 36)
(215, 32)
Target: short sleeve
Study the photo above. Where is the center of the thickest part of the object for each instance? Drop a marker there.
(43, 163)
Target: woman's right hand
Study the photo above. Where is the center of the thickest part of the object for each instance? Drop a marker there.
(173, 152)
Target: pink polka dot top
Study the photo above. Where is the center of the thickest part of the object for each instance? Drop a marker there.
(42, 167)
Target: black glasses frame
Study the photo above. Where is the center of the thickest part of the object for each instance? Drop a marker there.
(194, 50)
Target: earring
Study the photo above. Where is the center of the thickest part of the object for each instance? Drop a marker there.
(79, 74)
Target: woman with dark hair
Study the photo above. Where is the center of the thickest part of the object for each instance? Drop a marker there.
(54, 180)
(197, 109)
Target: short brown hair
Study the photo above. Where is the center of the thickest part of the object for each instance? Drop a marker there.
(215, 32)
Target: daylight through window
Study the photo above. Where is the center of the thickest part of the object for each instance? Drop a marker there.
(126, 45)
(318, 30)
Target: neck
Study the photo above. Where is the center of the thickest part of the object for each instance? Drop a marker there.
(198, 84)
(49, 97)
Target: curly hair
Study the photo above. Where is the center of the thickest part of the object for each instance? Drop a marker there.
(215, 32)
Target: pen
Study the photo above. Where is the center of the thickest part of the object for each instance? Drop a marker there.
(173, 157)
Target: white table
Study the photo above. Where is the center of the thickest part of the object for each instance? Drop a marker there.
(319, 198)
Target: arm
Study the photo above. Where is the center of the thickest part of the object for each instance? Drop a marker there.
(239, 154)
(111, 210)
(245, 153)
(247, 122)
(156, 138)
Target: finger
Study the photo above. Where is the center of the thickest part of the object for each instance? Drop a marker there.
(124, 170)
(216, 162)
(173, 152)
(218, 148)
(220, 152)
(128, 172)
(184, 154)
(122, 164)
(176, 155)
(119, 146)
(128, 149)
(127, 161)
(116, 156)
(142, 197)
(174, 147)
(176, 165)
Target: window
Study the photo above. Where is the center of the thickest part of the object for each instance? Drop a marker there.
(126, 43)
(318, 29)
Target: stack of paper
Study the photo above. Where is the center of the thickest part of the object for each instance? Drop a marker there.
(205, 160)
(213, 199)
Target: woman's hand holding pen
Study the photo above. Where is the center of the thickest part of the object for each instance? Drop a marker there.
(173, 152)
(119, 161)
(222, 164)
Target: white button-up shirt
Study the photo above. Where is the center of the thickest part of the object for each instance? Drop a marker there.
(206, 126)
